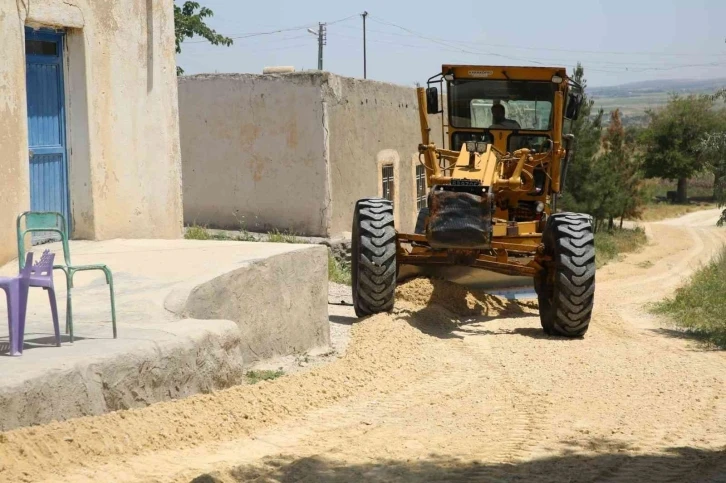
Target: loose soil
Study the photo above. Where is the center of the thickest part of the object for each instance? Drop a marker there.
(454, 385)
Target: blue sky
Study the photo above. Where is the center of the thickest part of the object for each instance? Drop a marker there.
(617, 41)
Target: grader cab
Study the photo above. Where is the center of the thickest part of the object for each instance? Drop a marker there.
(492, 195)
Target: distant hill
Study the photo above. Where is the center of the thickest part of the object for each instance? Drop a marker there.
(634, 98)
(632, 89)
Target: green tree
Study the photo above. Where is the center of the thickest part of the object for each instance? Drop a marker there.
(189, 21)
(671, 141)
(580, 183)
(604, 179)
(624, 168)
(713, 145)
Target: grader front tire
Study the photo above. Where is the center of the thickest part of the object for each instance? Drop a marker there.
(373, 257)
(566, 291)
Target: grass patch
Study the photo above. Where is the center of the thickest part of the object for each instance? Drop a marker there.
(610, 245)
(253, 377)
(662, 211)
(245, 236)
(338, 272)
(197, 232)
(277, 236)
(699, 307)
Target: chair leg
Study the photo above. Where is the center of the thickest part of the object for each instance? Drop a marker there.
(11, 327)
(54, 313)
(109, 279)
(16, 343)
(69, 315)
(69, 305)
(23, 292)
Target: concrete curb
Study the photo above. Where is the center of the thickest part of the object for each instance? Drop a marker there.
(279, 303)
(197, 357)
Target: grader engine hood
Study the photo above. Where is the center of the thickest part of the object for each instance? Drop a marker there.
(476, 162)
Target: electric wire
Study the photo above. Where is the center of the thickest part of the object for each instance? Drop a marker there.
(273, 32)
(467, 51)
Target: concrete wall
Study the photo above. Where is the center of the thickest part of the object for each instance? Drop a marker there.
(254, 152)
(14, 196)
(279, 302)
(294, 151)
(121, 116)
(371, 124)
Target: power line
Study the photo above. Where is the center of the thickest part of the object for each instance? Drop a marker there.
(342, 19)
(612, 69)
(639, 67)
(253, 34)
(509, 46)
(285, 47)
(603, 62)
(365, 46)
(272, 32)
(265, 41)
(447, 44)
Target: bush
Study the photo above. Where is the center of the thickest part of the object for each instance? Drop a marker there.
(253, 377)
(699, 307)
(338, 272)
(197, 232)
(276, 236)
(610, 245)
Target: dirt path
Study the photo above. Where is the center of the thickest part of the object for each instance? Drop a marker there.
(451, 387)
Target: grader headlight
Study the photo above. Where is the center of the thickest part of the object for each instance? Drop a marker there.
(479, 147)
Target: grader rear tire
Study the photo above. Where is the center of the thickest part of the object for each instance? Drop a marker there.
(567, 291)
(373, 257)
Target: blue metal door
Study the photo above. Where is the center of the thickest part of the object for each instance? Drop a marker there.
(46, 122)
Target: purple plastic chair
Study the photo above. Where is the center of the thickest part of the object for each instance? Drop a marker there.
(41, 275)
(16, 292)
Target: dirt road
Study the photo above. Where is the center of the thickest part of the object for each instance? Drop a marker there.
(453, 386)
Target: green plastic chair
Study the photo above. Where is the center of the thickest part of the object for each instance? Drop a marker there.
(38, 221)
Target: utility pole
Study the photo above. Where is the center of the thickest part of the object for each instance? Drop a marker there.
(322, 40)
(365, 70)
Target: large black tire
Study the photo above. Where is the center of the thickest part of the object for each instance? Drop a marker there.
(566, 290)
(373, 257)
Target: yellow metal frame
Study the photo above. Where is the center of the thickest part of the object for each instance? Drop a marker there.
(516, 248)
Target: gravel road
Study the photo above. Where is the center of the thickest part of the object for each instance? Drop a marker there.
(453, 386)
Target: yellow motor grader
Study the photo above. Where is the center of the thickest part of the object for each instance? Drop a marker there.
(492, 195)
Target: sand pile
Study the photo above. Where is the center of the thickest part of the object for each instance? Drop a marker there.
(384, 352)
(461, 301)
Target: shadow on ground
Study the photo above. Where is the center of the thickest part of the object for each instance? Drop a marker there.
(343, 319)
(675, 465)
(702, 341)
(39, 341)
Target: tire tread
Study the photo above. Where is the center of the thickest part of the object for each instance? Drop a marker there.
(569, 310)
(375, 257)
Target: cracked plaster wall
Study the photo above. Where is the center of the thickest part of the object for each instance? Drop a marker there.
(121, 115)
(372, 124)
(254, 152)
(294, 151)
